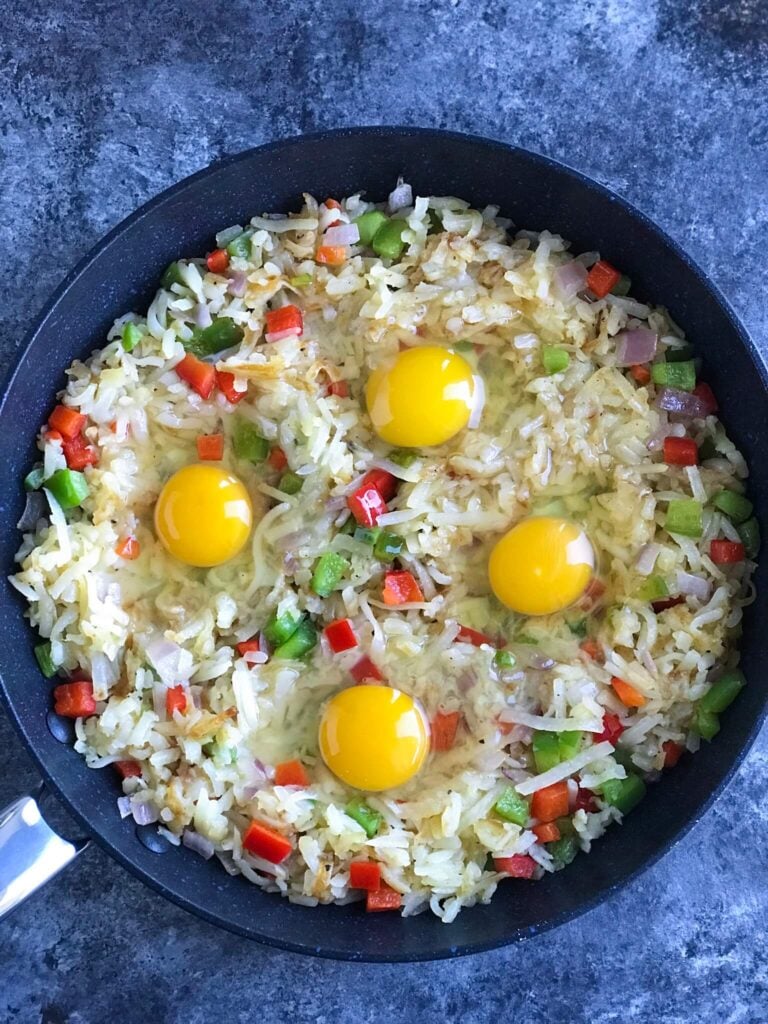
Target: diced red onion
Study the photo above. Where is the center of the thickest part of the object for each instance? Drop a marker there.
(336, 504)
(342, 234)
(694, 586)
(237, 283)
(466, 680)
(638, 346)
(197, 843)
(648, 662)
(124, 806)
(35, 509)
(171, 662)
(144, 812)
(202, 315)
(542, 662)
(289, 332)
(570, 279)
(197, 696)
(400, 196)
(256, 658)
(646, 559)
(478, 402)
(159, 693)
(683, 402)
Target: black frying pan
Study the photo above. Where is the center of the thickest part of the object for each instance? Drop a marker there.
(122, 273)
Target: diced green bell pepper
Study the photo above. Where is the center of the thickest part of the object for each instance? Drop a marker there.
(569, 743)
(723, 693)
(675, 375)
(388, 546)
(652, 589)
(328, 573)
(578, 627)
(368, 224)
(750, 537)
(623, 794)
(679, 355)
(512, 807)
(546, 750)
(171, 276)
(207, 341)
(69, 487)
(435, 221)
(131, 336)
(301, 642)
(504, 659)
(358, 810)
(464, 346)
(367, 534)
(684, 517)
(290, 483)
(565, 827)
(404, 457)
(280, 628)
(735, 505)
(44, 659)
(706, 724)
(248, 442)
(623, 286)
(240, 246)
(388, 241)
(301, 280)
(564, 850)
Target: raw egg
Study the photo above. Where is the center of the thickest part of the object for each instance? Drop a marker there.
(203, 516)
(541, 566)
(373, 737)
(423, 398)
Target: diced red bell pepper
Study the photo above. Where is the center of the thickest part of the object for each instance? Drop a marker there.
(443, 729)
(364, 671)
(284, 322)
(128, 769)
(265, 842)
(366, 505)
(175, 700)
(226, 385)
(331, 255)
(705, 394)
(550, 803)
(385, 483)
(680, 451)
(592, 594)
(612, 729)
(401, 588)
(672, 753)
(602, 278)
(383, 899)
(640, 373)
(210, 447)
(726, 552)
(548, 832)
(585, 801)
(68, 422)
(291, 773)
(278, 459)
(332, 204)
(667, 602)
(200, 376)
(52, 435)
(591, 648)
(474, 637)
(128, 548)
(627, 693)
(75, 699)
(340, 388)
(340, 635)
(248, 646)
(365, 874)
(217, 261)
(520, 865)
(79, 453)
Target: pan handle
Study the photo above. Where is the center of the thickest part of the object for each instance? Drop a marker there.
(30, 851)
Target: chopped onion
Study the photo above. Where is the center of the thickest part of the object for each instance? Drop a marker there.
(159, 693)
(466, 680)
(255, 658)
(565, 769)
(646, 559)
(573, 792)
(693, 586)
(478, 402)
(638, 346)
(197, 843)
(400, 196)
(172, 663)
(289, 332)
(103, 671)
(124, 806)
(342, 234)
(541, 661)
(237, 283)
(682, 402)
(35, 509)
(144, 812)
(570, 279)
(202, 315)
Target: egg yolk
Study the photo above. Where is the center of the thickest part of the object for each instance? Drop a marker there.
(422, 398)
(541, 566)
(373, 737)
(203, 516)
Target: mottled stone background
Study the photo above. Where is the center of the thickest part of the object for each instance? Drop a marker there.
(104, 104)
